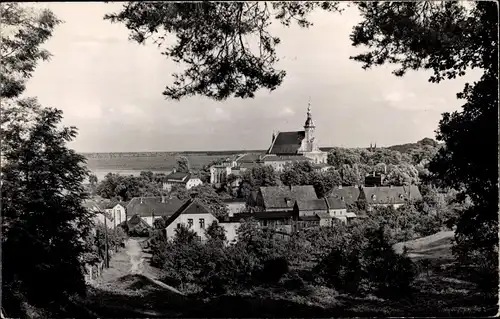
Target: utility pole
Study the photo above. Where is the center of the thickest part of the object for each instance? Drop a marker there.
(106, 253)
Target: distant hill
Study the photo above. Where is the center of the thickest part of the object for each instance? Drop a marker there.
(407, 148)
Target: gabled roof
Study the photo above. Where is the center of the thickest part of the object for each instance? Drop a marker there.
(191, 206)
(336, 203)
(349, 194)
(178, 177)
(285, 196)
(153, 205)
(312, 204)
(111, 204)
(287, 142)
(390, 194)
(136, 220)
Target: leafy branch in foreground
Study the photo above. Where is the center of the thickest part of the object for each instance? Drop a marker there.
(226, 46)
(23, 31)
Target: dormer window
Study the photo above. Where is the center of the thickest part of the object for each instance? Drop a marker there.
(341, 197)
(401, 196)
(374, 197)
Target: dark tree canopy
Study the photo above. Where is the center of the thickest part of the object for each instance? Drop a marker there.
(43, 220)
(215, 42)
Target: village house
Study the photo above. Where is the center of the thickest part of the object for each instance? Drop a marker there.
(385, 196)
(116, 211)
(106, 212)
(337, 208)
(233, 166)
(235, 205)
(231, 224)
(348, 194)
(312, 213)
(152, 208)
(273, 205)
(194, 215)
(186, 180)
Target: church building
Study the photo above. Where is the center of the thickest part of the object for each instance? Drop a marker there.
(301, 143)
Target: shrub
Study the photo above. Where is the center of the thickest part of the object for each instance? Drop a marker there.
(367, 264)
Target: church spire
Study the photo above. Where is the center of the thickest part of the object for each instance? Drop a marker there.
(309, 121)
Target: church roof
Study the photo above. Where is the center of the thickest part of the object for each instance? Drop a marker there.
(287, 142)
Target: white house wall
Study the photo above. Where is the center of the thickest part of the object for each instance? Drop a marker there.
(230, 229)
(193, 182)
(183, 219)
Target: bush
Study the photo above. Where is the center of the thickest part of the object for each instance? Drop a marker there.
(367, 264)
(274, 269)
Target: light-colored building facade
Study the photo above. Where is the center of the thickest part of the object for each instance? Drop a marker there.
(186, 180)
(194, 216)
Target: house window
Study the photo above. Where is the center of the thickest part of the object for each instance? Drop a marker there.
(178, 225)
(190, 222)
(202, 223)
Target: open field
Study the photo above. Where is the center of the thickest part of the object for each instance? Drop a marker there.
(159, 162)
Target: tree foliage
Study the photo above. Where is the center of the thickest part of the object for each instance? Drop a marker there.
(225, 47)
(24, 30)
(367, 263)
(43, 220)
(183, 164)
(122, 187)
(256, 177)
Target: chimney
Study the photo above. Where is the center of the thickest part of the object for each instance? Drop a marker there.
(174, 170)
(141, 201)
(340, 186)
(162, 199)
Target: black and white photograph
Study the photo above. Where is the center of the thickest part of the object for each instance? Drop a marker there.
(249, 159)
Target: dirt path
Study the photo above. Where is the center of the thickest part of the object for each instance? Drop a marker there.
(134, 251)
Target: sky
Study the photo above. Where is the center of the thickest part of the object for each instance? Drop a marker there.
(110, 88)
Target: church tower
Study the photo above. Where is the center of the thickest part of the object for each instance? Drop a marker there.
(309, 129)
